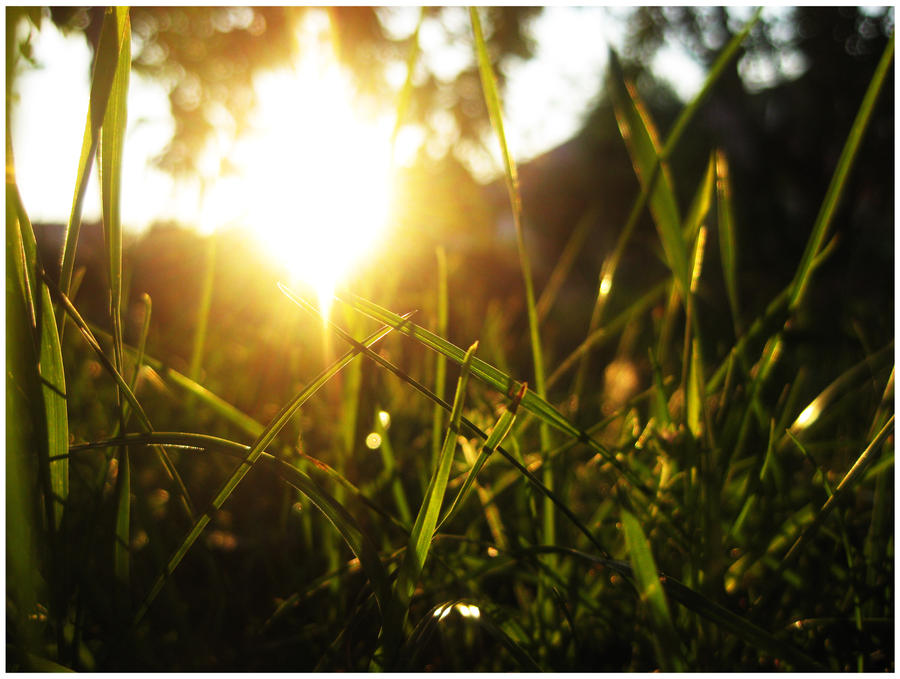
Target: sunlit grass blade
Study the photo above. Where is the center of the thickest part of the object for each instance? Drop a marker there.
(839, 178)
(426, 520)
(652, 595)
(727, 238)
(490, 376)
(498, 433)
(642, 141)
(106, 63)
(850, 480)
(127, 393)
(54, 427)
(610, 265)
(809, 416)
(112, 139)
(495, 111)
(262, 441)
(422, 389)
(440, 361)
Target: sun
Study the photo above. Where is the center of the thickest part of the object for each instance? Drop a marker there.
(314, 181)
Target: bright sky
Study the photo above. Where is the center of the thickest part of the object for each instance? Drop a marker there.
(544, 105)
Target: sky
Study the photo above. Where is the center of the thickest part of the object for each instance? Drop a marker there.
(544, 104)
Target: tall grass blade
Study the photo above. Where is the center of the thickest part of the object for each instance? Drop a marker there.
(112, 139)
(405, 95)
(112, 39)
(24, 423)
(652, 595)
(206, 292)
(440, 361)
(262, 441)
(495, 111)
(839, 178)
(641, 139)
(51, 402)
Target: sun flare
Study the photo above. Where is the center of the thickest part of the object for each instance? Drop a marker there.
(315, 174)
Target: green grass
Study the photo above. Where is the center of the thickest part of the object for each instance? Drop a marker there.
(726, 513)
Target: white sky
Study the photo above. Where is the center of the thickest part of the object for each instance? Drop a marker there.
(544, 104)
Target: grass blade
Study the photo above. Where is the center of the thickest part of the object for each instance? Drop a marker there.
(492, 99)
(652, 595)
(53, 427)
(427, 518)
(112, 37)
(851, 478)
(641, 139)
(839, 178)
(440, 361)
(262, 441)
(498, 433)
(727, 239)
(490, 376)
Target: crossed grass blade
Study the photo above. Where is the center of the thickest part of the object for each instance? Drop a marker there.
(126, 392)
(112, 37)
(491, 376)
(262, 441)
(422, 389)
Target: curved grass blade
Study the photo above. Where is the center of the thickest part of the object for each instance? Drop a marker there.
(262, 441)
(112, 37)
(651, 593)
(839, 178)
